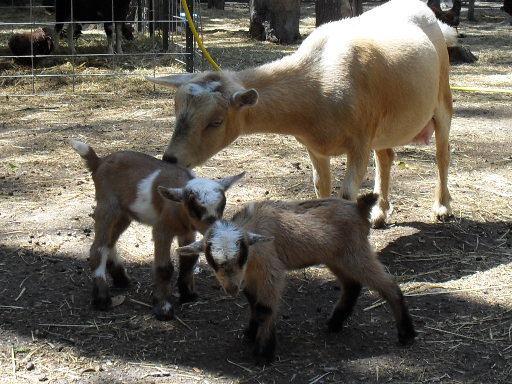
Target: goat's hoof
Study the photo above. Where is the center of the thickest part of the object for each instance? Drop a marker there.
(101, 303)
(120, 279)
(188, 297)
(250, 334)
(378, 223)
(442, 213)
(262, 359)
(163, 311)
(334, 326)
(407, 337)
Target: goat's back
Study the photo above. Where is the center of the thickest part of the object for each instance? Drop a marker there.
(120, 174)
(306, 232)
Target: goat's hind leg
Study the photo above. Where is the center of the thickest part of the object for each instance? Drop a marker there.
(345, 306)
(186, 284)
(369, 271)
(101, 250)
(442, 120)
(115, 267)
(163, 270)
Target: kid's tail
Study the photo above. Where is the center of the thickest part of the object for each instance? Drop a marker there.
(365, 204)
(87, 153)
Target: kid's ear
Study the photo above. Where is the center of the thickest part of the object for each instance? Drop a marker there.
(191, 249)
(255, 238)
(227, 182)
(244, 98)
(174, 194)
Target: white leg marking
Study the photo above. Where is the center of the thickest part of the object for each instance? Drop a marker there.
(100, 272)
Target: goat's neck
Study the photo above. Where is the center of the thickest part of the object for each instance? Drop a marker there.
(281, 88)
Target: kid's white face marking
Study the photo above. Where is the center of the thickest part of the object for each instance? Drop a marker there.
(224, 242)
(100, 272)
(79, 147)
(143, 204)
(209, 193)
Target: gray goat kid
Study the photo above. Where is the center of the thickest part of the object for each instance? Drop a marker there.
(253, 251)
(134, 186)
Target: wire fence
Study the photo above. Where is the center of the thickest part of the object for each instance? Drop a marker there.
(52, 47)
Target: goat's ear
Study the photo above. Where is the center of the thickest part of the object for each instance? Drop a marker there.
(174, 194)
(191, 249)
(245, 98)
(173, 81)
(227, 182)
(254, 238)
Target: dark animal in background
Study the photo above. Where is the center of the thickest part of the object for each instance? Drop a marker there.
(451, 16)
(507, 7)
(127, 31)
(38, 42)
(80, 11)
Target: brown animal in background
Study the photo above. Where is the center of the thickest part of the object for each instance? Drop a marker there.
(253, 251)
(38, 42)
(127, 189)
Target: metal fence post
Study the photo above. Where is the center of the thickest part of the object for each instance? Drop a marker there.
(189, 38)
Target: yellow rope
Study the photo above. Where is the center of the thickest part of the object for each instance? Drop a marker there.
(482, 90)
(206, 54)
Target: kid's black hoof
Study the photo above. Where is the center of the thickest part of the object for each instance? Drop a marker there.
(163, 311)
(101, 303)
(188, 297)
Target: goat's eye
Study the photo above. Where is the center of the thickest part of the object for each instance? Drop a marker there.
(215, 124)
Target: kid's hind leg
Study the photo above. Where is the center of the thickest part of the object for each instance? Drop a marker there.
(105, 216)
(369, 271)
(442, 120)
(186, 285)
(349, 296)
(115, 266)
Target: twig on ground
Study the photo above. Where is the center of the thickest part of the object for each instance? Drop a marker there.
(458, 335)
(240, 366)
(183, 323)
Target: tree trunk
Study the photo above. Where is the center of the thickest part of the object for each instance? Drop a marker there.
(471, 10)
(275, 20)
(331, 10)
(217, 4)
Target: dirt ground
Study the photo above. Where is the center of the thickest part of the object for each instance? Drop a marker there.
(457, 276)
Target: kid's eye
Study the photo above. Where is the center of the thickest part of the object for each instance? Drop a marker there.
(215, 124)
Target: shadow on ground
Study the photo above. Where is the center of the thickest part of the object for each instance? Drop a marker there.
(44, 298)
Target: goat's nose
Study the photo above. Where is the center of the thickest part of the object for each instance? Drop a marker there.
(169, 159)
(210, 220)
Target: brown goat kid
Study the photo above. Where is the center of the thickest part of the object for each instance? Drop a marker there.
(36, 43)
(254, 250)
(129, 186)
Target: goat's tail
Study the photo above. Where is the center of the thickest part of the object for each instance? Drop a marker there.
(365, 204)
(87, 153)
(449, 34)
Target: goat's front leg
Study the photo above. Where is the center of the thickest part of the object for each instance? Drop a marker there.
(383, 161)
(321, 174)
(163, 270)
(357, 162)
(186, 285)
(119, 34)
(264, 293)
(252, 329)
(109, 31)
(71, 38)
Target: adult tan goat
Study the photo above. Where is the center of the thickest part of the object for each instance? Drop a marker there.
(373, 82)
